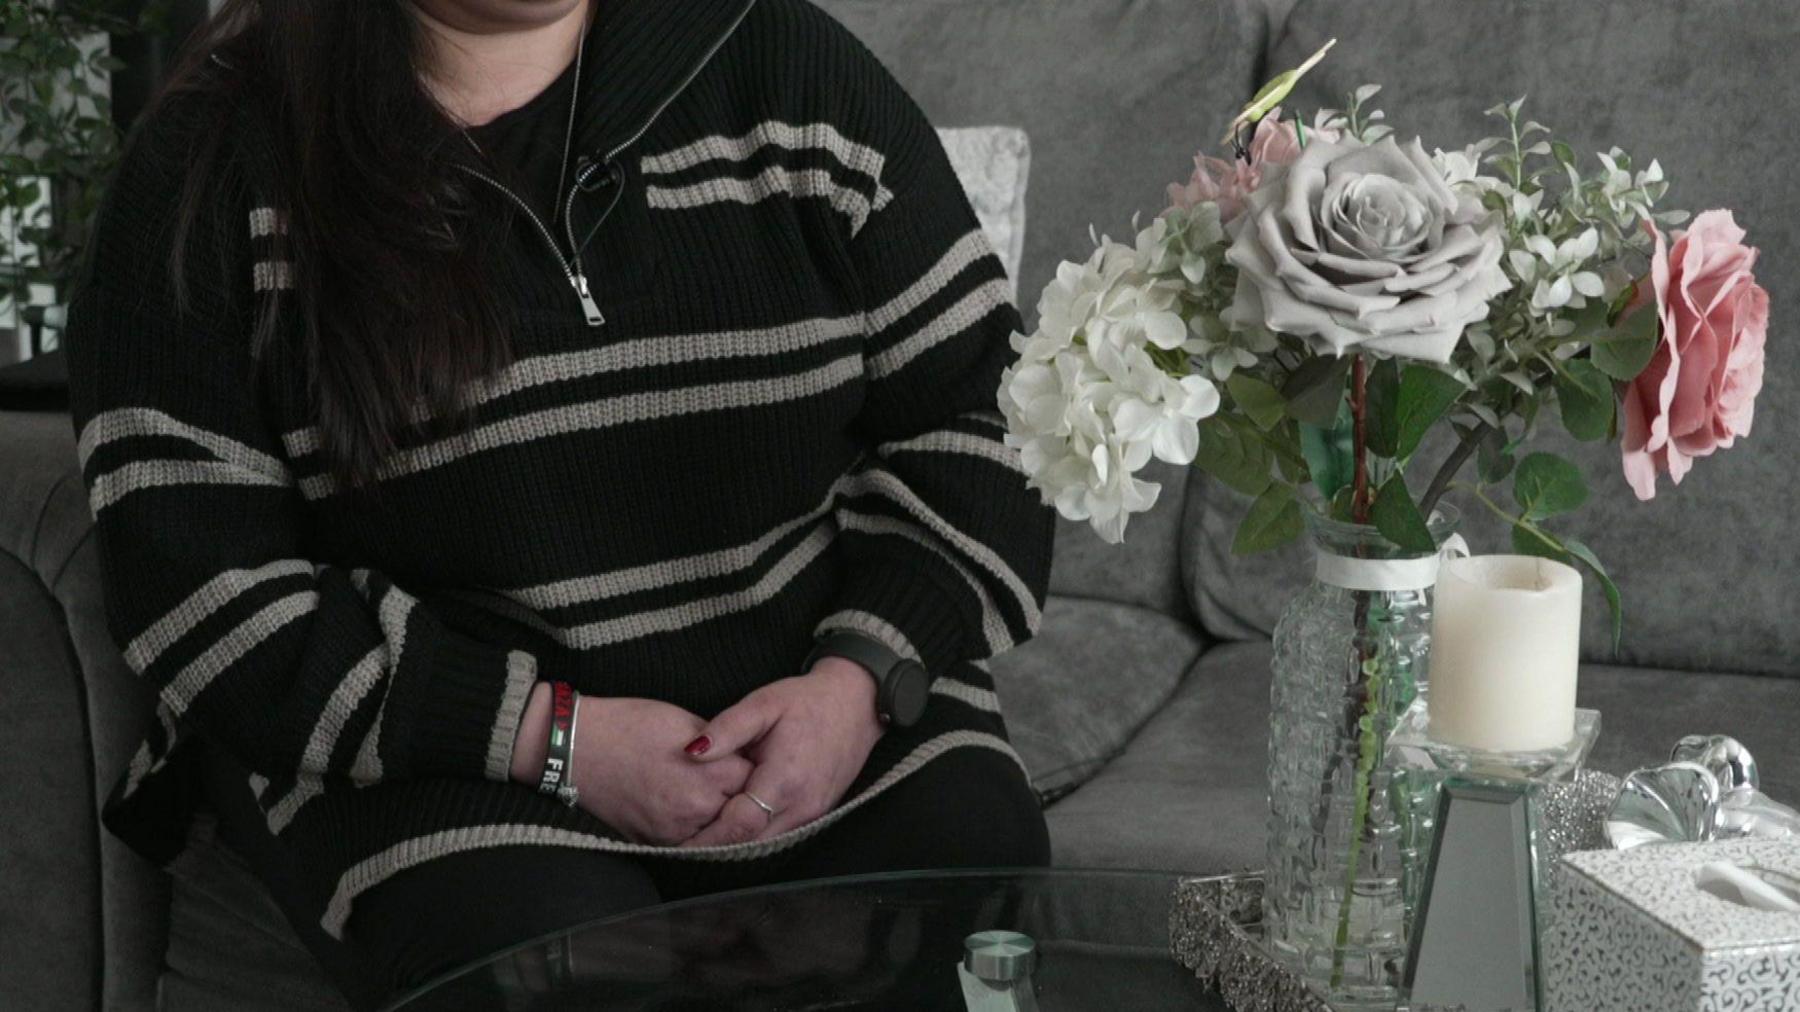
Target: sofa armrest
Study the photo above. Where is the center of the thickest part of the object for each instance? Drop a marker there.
(82, 918)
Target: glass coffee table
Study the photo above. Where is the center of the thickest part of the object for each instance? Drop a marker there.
(887, 941)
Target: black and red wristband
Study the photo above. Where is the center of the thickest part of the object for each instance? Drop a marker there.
(559, 758)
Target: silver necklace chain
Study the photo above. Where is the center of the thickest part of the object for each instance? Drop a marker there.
(562, 171)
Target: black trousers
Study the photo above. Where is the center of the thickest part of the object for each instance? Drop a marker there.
(968, 808)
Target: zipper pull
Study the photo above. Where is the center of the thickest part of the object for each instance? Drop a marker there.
(588, 305)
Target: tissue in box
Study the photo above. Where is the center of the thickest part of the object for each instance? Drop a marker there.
(1631, 930)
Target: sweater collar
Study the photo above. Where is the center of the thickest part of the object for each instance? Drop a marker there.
(641, 55)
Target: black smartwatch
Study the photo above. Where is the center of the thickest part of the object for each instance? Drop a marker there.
(902, 686)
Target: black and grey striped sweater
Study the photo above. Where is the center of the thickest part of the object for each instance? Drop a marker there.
(785, 423)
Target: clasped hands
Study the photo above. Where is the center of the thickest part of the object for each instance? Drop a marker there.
(661, 775)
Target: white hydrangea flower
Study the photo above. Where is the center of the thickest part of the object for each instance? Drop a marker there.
(1087, 405)
(1068, 301)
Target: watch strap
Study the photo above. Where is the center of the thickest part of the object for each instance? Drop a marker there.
(860, 647)
(884, 665)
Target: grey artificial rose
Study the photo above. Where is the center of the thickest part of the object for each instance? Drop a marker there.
(1365, 247)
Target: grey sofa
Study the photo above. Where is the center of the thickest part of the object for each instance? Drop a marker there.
(1141, 706)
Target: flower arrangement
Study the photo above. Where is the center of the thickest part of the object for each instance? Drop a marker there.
(1311, 306)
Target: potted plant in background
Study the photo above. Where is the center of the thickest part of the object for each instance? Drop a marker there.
(1302, 317)
(59, 140)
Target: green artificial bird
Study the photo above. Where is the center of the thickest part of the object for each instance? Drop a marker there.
(1272, 93)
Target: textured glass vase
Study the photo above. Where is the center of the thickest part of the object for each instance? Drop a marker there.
(1348, 834)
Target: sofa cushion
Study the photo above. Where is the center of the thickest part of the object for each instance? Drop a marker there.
(993, 164)
(49, 859)
(64, 652)
(1112, 93)
(1146, 570)
(1074, 694)
(1707, 568)
(1189, 793)
(1111, 124)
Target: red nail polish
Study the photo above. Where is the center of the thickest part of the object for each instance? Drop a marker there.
(698, 746)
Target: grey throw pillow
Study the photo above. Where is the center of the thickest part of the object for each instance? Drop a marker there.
(992, 163)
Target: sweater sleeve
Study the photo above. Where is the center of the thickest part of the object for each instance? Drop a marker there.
(949, 550)
(295, 667)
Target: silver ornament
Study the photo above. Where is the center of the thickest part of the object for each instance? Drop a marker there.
(1664, 804)
(1730, 762)
(1709, 791)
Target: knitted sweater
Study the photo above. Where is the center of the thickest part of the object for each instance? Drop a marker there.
(785, 423)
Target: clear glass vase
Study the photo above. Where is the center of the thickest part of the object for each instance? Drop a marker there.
(1348, 834)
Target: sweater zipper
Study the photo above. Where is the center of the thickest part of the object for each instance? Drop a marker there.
(675, 92)
(571, 262)
(571, 268)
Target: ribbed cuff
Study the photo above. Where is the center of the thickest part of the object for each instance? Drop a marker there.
(469, 712)
(907, 610)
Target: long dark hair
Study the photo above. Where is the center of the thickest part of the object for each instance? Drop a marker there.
(390, 312)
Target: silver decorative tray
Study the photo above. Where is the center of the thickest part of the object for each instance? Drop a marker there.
(1215, 930)
(1215, 921)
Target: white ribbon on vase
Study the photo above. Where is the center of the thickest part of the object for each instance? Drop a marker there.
(1388, 575)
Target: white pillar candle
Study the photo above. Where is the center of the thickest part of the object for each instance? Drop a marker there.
(1505, 646)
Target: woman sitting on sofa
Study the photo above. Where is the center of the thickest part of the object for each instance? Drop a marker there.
(543, 458)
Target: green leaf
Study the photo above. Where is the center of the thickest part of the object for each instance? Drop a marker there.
(1382, 408)
(1273, 520)
(1398, 518)
(1625, 349)
(1315, 391)
(1614, 603)
(1259, 401)
(1284, 447)
(1231, 452)
(1546, 485)
(1330, 456)
(1563, 152)
(1537, 541)
(1585, 396)
(1493, 460)
(1591, 320)
(1425, 394)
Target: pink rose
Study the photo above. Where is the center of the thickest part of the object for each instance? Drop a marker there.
(1229, 182)
(1698, 393)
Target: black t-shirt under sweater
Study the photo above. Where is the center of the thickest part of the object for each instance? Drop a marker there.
(525, 147)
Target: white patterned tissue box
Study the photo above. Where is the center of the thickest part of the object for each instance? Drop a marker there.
(1635, 930)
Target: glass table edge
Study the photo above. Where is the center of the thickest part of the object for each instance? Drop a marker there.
(1171, 877)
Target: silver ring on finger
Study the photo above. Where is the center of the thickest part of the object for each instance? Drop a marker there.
(760, 803)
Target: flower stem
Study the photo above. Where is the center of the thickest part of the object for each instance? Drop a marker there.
(1360, 720)
(1440, 482)
(1360, 498)
(1367, 748)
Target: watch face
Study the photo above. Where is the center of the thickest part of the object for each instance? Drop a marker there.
(909, 688)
